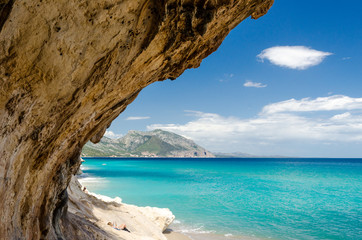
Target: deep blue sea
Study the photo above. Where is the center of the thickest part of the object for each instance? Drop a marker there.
(240, 198)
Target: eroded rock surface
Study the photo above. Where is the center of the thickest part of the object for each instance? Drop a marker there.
(143, 222)
(67, 69)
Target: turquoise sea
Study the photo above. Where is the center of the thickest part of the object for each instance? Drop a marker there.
(240, 198)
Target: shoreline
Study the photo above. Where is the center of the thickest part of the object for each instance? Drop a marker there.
(172, 232)
(172, 235)
(144, 223)
(169, 233)
(208, 208)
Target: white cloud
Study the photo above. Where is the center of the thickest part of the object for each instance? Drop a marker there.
(295, 57)
(137, 118)
(341, 116)
(336, 102)
(112, 135)
(272, 127)
(346, 58)
(254, 84)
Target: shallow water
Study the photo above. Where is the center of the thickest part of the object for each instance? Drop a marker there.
(229, 198)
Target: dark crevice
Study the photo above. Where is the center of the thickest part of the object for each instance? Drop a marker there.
(5, 9)
(11, 105)
(157, 11)
(44, 220)
(61, 207)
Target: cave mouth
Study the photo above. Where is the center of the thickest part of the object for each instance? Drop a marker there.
(68, 69)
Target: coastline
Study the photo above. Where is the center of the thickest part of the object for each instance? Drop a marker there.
(174, 230)
(144, 223)
(171, 235)
(157, 219)
(225, 200)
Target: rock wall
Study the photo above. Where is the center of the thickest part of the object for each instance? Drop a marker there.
(67, 69)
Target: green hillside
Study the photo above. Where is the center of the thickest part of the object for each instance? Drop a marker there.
(157, 143)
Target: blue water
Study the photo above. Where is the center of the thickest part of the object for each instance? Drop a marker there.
(259, 198)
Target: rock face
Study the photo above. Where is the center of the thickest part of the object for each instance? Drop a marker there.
(143, 222)
(67, 69)
(156, 143)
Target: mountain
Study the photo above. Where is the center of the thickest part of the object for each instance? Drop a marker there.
(156, 143)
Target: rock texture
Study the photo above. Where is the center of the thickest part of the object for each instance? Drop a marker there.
(144, 223)
(156, 143)
(67, 69)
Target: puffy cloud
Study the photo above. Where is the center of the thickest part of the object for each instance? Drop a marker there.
(254, 84)
(341, 116)
(137, 118)
(112, 135)
(295, 57)
(336, 102)
(276, 125)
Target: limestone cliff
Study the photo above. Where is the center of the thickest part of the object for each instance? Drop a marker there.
(67, 69)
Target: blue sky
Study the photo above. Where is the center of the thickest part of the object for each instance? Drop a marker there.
(288, 84)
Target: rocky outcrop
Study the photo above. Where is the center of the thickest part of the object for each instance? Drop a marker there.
(156, 143)
(67, 69)
(143, 222)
